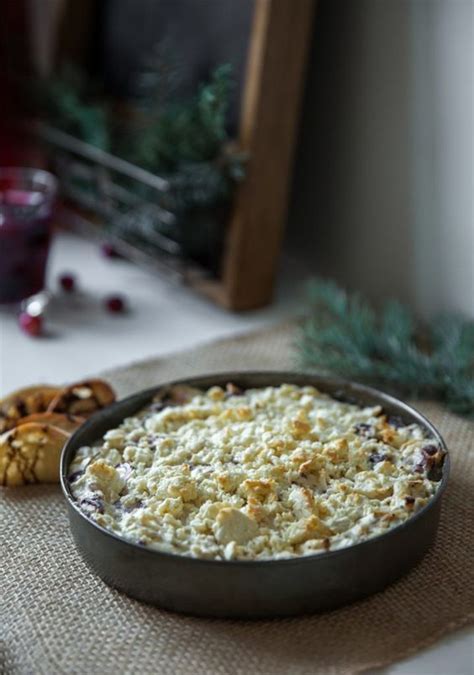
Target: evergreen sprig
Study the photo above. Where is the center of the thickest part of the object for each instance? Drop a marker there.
(343, 334)
(69, 104)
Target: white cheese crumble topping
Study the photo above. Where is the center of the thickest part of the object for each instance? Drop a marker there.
(264, 473)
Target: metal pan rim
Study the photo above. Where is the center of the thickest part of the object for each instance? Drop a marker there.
(286, 377)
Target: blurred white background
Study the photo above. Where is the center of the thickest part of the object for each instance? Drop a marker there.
(383, 191)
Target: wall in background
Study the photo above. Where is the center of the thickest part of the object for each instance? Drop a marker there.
(383, 192)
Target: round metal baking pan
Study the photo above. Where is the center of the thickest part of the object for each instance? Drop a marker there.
(263, 588)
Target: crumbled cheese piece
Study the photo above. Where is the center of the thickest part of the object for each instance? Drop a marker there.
(233, 525)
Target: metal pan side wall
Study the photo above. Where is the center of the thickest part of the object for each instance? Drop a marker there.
(248, 590)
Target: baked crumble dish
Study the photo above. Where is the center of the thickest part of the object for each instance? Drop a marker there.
(262, 473)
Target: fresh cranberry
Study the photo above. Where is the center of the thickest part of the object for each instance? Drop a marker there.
(68, 283)
(365, 430)
(429, 450)
(32, 325)
(115, 304)
(109, 251)
(376, 457)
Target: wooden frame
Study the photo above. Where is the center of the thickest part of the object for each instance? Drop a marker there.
(268, 123)
(279, 42)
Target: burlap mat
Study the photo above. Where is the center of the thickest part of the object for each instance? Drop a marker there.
(56, 617)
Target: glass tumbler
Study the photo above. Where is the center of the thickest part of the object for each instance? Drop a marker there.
(27, 198)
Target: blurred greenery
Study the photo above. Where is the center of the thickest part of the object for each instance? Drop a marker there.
(343, 334)
(185, 141)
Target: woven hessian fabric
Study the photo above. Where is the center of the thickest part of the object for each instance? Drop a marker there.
(57, 617)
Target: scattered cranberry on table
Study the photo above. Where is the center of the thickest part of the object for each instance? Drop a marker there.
(31, 325)
(115, 304)
(109, 251)
(67, 282)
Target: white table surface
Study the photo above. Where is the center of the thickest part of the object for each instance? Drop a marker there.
(84, 339)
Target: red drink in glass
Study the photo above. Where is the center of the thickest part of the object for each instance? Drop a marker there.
(26, 206)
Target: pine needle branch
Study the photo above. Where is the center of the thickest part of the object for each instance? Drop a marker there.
(344, 335)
